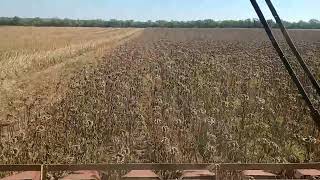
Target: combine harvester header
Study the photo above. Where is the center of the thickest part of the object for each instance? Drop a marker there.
(148, 171)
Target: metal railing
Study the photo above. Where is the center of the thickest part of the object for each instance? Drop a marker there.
(214, 167)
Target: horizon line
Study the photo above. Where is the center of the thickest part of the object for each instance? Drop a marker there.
(84, 19)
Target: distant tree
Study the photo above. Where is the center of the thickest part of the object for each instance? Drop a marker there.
(257, 23)
(301, 25)
(271, 23)
(36, 21)
(16, 21)
(207, 23)
(314, 23)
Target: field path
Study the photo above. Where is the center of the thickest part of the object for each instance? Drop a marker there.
(39, 78)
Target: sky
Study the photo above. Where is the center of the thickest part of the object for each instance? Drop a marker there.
(142, 10)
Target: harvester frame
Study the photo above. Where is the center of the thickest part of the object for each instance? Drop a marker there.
(217, 168)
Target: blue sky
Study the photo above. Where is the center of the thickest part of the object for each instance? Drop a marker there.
(291, 10)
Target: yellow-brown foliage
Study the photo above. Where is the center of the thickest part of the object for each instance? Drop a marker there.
(36, 62)
(177, 95)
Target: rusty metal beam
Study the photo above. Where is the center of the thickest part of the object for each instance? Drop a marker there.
(17, 167)
(161, 166)
(144, 166)
(165, 166)
(267, 166)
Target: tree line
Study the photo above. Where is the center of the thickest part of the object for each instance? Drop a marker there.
(208, 23)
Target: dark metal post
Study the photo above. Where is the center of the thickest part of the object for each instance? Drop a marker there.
(315, 114)
(293, 47)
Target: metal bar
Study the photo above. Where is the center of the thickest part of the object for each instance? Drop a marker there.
(267, 166)
(43, 172)
(293, 47)
(217, 170)
(163, 166)
(20, 168)
(315, 114)
(145, 166)
(223, 166)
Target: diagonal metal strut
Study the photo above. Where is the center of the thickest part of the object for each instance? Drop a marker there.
(293, 47)
(314, 112)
